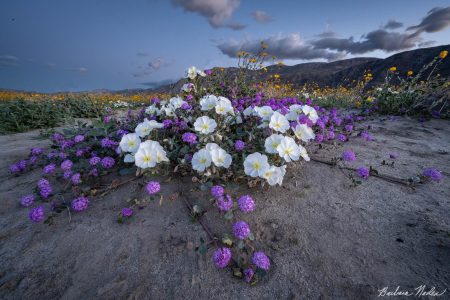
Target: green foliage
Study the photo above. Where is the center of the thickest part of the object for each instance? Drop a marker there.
(19, 115)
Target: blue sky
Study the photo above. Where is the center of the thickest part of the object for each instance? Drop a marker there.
(55, 45)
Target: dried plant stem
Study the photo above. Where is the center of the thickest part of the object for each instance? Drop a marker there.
(381, 176)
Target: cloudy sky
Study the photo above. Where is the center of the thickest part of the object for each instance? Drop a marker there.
(54, 45)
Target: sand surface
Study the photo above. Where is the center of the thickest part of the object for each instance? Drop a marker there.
(326, 238)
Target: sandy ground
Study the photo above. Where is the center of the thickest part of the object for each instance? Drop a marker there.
(326, 239)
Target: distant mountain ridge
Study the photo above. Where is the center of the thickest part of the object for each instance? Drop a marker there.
(343, 72)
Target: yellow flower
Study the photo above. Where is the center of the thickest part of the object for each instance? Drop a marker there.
(276, 76)
(409, 73)
(369, 99)
(443, 54)
(393, 69)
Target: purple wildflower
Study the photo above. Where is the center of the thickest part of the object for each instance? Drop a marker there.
(189, 137)
(392, 155)
(217, 191)
(261, 260)
(14, 168)
(365, 135)
(319, 138)
(127, 212)
(153, 187)
(67, 174)
(22, 165)
(248, 275)
(93, 172)
(342, 137)
(363, 172)
(186, 106)
(224, 203)
(36, 151)
(57, 137)
(76, 178)
(45, 191)
(241, 230)
(349, 156)
(433, 174)
(79, 138)
(37, 214)
(79, 153)
(27, 200)
(221, 257)
(330, 135)
(167, 123)
(108, 162)
(189, 97)
(94, 160)
(239, 145)
(80, 204)
(43, 183)
(66, 165)
(246, 204)
(348, 127)
(108, 143)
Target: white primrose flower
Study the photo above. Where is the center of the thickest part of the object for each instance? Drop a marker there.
(274, 175)
(278, 122)
(161, 154)
(152, 110)
(176, 102)
(304, 133)
(256, 164)
(201, 73)
(129, 158)
(288, 149)
(130, 142)
(188, 87)
(224, 106)
(143, 129)
(311, 113)
(249, 111)
(294, 111)
(201, 160)
(221, 158)
(145, 158)
(169, 110)
(272, 143)
(205, 125)
(211, 146)
(264, 112)
(282, 171)
(192, 72)
(304, 153)
(208, 102)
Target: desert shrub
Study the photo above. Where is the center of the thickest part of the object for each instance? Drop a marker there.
(423, 93)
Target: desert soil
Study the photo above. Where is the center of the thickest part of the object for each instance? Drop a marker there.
(327, 239)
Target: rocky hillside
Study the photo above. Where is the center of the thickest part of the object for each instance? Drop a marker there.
(343, 72)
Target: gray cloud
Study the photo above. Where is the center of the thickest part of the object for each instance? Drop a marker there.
(218, 12)
(376, 40)
(436, 20)
(327, 34)
(157, 63)
(261, 16)
(142, 54)
(393, 24)
(9, 61)
(283, 47)
(79, 69)
(427, 44)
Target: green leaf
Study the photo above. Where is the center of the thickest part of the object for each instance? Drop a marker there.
(229, 215)
(126, 171)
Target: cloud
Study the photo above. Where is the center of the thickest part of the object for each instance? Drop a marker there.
(427, 44)
(51, 66)
(375, 40)
(283, 47)
(218, 12)
(157, 63)
(327, 34)
(142, 54)
(436, 20)
(393, 24)
(261, 16)
(79, 70)
(9, 61)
